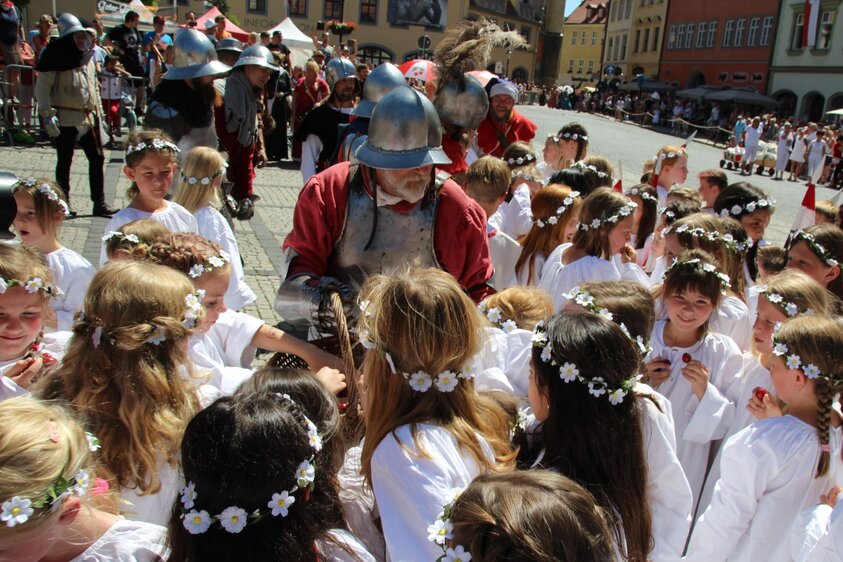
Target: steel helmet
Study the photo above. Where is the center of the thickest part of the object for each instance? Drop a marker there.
(230, 44)
(339, 69)
(462, 102)
(404, 133)
(380, 82)
(68, 23)
(256, 55)
(195, 57)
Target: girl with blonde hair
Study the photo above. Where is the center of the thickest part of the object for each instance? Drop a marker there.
(555, 210)
(605, 228)
(46, 488)
(564, 148)
(427, 430)
(199, 192)
(127, 375)
(671, 168)
(132, 239)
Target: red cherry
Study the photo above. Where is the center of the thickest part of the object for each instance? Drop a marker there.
(686, 357)
(760, 392)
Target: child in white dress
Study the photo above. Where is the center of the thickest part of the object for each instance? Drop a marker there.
(583, 388)
(198, 192)
(671, 168)
(555, 210)
(513, 216)
(645, 217)
(150, 164)
(564, 148)
(41, 210)
(695, 369)
(127, 376)
(259, 480)
(48, 480)
(427, 430)
(820, 530)
(778, 467)
(754, 208)
(25, 292)
(605, 229)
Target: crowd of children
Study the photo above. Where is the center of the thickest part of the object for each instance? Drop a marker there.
(652, 381)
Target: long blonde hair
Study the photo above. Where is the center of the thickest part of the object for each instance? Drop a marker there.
(132, 392)
(201, 162)
(542, 240)
(422, 320)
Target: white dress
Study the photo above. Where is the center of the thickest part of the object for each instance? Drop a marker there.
(213, 226)
(503, 362)
(152, 508)
(817, 535)
(358, 504)
(206, 357)
(175, 217)
(783, 151)
(128, 541)
(515, 218)
(538, 266)
(732, 319)
(232, 335)
(504, 252)
(768, 477)
(410, 490)
(699, 422)
(799, 146)
(72, 274)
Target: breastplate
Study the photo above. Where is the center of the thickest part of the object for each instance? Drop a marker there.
(399, 239)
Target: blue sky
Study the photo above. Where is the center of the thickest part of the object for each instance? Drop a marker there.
(570, 6)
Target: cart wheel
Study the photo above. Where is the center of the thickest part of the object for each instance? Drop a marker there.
(728, 165)
(772, 172)
(722, 163)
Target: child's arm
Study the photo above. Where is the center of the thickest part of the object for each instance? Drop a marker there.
(273, 339)
(814, 531)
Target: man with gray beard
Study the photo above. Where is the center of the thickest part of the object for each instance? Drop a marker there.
(318, 133)
(391, 210)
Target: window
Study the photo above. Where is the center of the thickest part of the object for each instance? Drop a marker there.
(689, 36)
(525, 33)
(368, 11)
(656, 39)
(256, 6)
(712, 34)
(628, 9)
(624, 41)
(570, 66)
(590, 66)
(333, 9)
(609, 51)
(617, 48)
(646, 40)
(298, 7)
(671, 37)
(579, 67)
(826, 23)
(374, 55)
(593, 37)
(752, 36)
(637, 46)
(613, 11)
(740, 25)
(583, 38)
(798, 24)
(680, 35)
(701, 34)
(574, 38)
(766, 29)
(727, 33)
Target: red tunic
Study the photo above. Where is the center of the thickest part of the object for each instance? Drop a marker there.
(459, 238)
(518, 128)
(455, 151)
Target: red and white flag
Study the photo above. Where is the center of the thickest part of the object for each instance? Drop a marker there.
(806, 215)
(619, 184)
(810, 23)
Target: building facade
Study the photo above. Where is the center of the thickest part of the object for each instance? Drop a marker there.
(808, 80)
(634, 34)
(719, 42)
(583, 35)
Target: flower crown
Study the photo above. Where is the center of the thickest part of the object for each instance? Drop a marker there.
(561, 210)
(527, 176)
(442, 530)
(642, 194)
(133, 238)
(621, 214)
(569, 372)
(586, 300)
(816, 247)
(207, 180)
(789, 308)
(234, 519)
(18, 510)
(495, 316)
(793, 361)
(740, 210)
(521, 160)
(567, 136)
(671, 154)
(712, 236)
(590, 168)
(214, 262)
(31, 286)
(152, 144)
(699, 265)
(47, 191)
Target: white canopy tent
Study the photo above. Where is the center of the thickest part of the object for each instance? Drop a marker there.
(112, 14)
(300, 45)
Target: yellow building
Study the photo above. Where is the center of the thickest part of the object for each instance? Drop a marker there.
(634, 35)
(387, 30)
(582, 44)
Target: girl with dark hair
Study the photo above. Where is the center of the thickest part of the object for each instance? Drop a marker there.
(583, 389)
(751, 206)
(644, 220)
(818, 251)
(564, 148)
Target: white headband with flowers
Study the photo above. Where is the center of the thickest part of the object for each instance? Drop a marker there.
(699, 265)
(206, 180)
(234, 519)
(47, 191)
(589, 168)
(793, 361)
(712, 236)
(621, 214)
(495, 316)
(567, 136)
(789, 308)
(442, 530)
(152, 144)
(193, 302)
(521, 160)
(31, 286)
(114, 234)
(527, 176)
(214, 262)
(740, 210)
(586, 300)
(816, 247)
(561, 210)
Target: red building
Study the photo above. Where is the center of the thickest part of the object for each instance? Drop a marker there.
(719, 42)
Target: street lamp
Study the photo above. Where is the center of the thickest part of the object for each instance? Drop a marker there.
(508, 55)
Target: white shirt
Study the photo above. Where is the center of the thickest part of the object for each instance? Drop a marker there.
(152, 508)
(515, 218)
(818, 534)
(128, 541)
(175, 217)
(72, 274)
(504, 252)
(213, 226)
(232, 335)
(699, 422)
(206, 357)
(732, 319)
(768, 477)
(411, 490)
(358, 504)
(752, 136)
(503, 362)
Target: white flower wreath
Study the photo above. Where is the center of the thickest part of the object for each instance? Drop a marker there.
(699, 265)
(561, 210)
(816, 247)
(590, 168)
(156, 144)
(740, 210)
(133, 238)
(642, 194)
(206, 180)
(214, 262)
(586, 300)
(31, 286)
(793, 361)
(621, 214)
(495, 316)
(521, 160)
(567, 136)
(193, 301)
(789, 308)
(442, 530)
(47, 191)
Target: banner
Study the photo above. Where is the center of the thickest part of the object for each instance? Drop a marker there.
(809, 27)
(428, 13)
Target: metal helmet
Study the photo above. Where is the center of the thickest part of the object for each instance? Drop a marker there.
(68, 23)
(195, 57)
(230, 44)
(463, 103)
(380, 82)
(404, 133)
(339, 69)
(256, 55)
